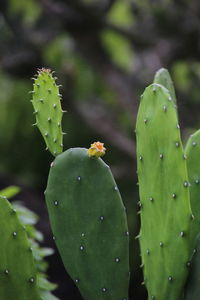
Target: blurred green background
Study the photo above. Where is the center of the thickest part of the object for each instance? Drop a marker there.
(104, 53)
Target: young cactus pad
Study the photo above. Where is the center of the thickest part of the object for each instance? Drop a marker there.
(48, 111)
(17, 269)
(163, 78)
(89, 224)
(192, 152)
(166, 215)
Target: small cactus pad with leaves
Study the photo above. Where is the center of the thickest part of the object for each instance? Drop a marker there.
(166, 216)
(47, 109)
(192, 152)
(192, 289)
(163, 77)
(17, 270)
(89, 224)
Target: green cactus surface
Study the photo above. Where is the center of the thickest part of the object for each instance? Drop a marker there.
(163, 78)
(192, 152)
(89, 224)
(17, 270)
(47, 109)
(166, 216)
(192, 289)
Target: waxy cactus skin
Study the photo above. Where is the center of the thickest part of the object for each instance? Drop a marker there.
(47, 109)
(166, 216)
(89, 224)
(18, 279)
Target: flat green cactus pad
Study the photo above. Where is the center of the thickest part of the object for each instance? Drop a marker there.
(192, 152)
(48, 111)
(17, 269)
(163, 78)
(192, 289)
(89, 225)
(166, 215)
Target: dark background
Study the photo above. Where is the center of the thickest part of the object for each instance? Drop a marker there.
(104, 53)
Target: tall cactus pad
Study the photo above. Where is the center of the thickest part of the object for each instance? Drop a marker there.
(166, 216)
(163, 77)
(89, 224)
(192, 152)
(17, 270)
(48, 111)
(192, 289)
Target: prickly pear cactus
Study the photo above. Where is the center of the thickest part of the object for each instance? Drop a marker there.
(47, 109)
(89, 224)
(192, 152)
(163, 77)
(17, 269)
(165, 212)
(192, 289)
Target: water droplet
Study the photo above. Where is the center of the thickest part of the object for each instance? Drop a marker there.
(117, 259)
(161, 156)
(116, 188)
(182, 233)
(81, 247)
(54, 238)
(153, 297)
(101, 218)
(127, 233)
(154, 89)
(170, 98)
(104, 289)
(14, 234)
(14, 211)
(41, 100)
(54, 140)
(151, 199)
(49, 119)
(170, 278)
(54, 105)
(147, 252)
(174, 195)
(145, 121)
(161, 244)
(194, 143)
(46, 134)
(49, 91)
(184, 156)
(56, 203)
(140, 157)
(6, 271)
(177, 126)
(196, 181)
(82, 234)
(194, 251)
(58, 124)
(52, 164)
(78, 178)
(30, 249)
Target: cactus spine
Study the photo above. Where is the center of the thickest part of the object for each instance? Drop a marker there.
(166, 216)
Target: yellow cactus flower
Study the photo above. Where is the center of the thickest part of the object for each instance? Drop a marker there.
(96, 149)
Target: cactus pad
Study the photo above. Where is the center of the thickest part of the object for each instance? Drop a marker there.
(192, 289)
(17, 270)
(166, 215)
(192, 152)
(89, 224)
(163, 78)
(48, 111)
